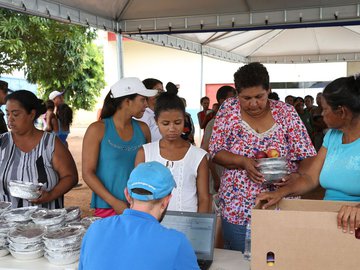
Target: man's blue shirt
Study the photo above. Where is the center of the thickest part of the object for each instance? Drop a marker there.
(135, 240)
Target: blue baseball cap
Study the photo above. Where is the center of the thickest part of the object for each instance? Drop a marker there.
(153, 177)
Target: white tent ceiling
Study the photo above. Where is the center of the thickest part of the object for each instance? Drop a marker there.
(235, 30)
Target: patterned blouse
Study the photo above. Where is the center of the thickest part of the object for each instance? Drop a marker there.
(230, 133)
(34, 166)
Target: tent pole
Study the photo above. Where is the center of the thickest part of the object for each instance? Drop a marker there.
(202, 89)
(120, 62)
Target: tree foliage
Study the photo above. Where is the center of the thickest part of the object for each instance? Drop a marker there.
(56, 56)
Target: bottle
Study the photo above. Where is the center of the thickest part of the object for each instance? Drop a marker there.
(247, 250)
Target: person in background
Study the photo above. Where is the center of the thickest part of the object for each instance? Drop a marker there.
(149, 116)
(309, 104)
(274, 96)
(189, 129)
(50, 117)
(215, 170)
(187, 163)
(64, 117)
(244, 125)
(33, 156)
(215, 107)
(3, 93)
(336, 167)
(172, 88)
(117, 242)
(289, 100)
(57, 97)
(223, 93)
(305, 116)
(320, 127)
(205, 115)
(110, 145)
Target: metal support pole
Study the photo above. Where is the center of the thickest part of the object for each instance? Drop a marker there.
(120, 62)
(202, 89)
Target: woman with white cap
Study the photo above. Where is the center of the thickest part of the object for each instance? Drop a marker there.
(110, 145)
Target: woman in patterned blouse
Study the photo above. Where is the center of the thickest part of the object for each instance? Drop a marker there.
(245, 125)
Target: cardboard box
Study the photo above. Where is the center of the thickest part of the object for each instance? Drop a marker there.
(302, 235)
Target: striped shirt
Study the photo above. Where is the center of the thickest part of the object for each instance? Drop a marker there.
(34, 166)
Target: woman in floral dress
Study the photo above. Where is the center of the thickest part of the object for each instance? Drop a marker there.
(245, 125)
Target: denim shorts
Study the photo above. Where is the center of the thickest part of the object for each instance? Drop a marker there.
(234, 235)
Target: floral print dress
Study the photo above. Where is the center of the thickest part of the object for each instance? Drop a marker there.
(230, 133)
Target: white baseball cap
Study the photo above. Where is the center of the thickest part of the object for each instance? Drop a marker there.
(55, 94)
(130, 86)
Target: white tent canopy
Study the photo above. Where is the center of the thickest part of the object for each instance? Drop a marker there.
(281, 31)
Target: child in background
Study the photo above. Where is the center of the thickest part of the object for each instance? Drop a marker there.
(189, 129)
(187, 163)
(64, 117)
(50, 117)
(205, 115)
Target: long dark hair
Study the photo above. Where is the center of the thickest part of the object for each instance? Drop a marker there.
(112, 104)
(345, 92)
(28, 101)
(151, 82)
(65, 114)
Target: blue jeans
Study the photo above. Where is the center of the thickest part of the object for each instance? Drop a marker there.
(234, 235)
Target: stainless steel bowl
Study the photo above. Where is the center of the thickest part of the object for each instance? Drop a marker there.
(273, 169)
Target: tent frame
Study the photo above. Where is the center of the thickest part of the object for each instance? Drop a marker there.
(148, 30)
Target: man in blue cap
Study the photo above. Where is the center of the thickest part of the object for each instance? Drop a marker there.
(136, 239)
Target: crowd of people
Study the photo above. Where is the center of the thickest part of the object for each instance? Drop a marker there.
(140, 159)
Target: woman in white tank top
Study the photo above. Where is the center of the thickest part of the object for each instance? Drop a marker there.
(187, 163)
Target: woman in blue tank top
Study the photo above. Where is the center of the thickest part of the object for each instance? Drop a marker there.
(110, 145)
(336, 167)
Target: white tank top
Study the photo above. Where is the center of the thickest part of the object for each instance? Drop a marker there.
(184, 196)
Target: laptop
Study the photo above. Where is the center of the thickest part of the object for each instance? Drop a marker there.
(199, 229)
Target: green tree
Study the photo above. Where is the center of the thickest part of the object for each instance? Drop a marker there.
(56, 56)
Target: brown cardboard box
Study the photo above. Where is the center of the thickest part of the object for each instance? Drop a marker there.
(302, 235)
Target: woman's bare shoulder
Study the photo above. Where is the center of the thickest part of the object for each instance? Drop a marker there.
(96, 128)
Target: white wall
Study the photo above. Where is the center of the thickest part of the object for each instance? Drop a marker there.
(145, 60)
(303, 73)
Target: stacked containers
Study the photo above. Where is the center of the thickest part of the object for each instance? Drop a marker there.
(20, 215)
(62, 246)
(25, 241)
(50, 219)
(73, 214)
(4, 229)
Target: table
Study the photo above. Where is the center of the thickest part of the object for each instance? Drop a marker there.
(228, 260)
(223, 260)
(10, 263)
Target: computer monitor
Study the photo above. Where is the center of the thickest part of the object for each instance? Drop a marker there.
(199, 229)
